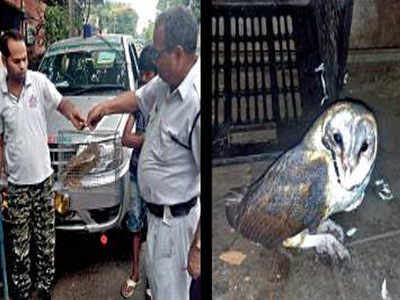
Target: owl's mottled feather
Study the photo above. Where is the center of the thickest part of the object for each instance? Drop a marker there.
(283, 201)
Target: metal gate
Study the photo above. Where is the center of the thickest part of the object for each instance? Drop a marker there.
(269, 73)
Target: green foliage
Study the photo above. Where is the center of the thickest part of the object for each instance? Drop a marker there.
(78, 21)
(163, 5)
(55, 26)
(103, 12)
(147, 34)
(116, 18)
(196, 9)
(125, 22)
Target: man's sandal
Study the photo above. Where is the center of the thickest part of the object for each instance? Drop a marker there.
(128, 288)
(148, 294)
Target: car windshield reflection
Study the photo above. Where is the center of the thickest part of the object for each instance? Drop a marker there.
(79, 72)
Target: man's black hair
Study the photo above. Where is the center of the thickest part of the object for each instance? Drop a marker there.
(180, 28)
(10, 34)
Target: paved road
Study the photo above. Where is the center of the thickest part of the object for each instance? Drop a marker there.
(85, 269)
(88, 270)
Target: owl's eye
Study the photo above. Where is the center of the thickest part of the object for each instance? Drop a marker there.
(338, 138)
(364, 147)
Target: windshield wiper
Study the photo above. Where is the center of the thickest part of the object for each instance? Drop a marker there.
(98, 87)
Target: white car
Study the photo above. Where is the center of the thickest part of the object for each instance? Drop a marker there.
(88, 71)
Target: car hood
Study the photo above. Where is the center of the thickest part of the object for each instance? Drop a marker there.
(57, 122)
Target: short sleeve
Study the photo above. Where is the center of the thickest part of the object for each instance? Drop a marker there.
(1, 125)
(147, 95)
(196, 141)
(52, 96)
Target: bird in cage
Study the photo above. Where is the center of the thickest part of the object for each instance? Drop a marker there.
(80, 165)
(326, 173)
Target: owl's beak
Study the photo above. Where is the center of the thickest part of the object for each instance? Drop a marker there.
(348, 165)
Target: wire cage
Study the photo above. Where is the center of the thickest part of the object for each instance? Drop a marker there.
(273, 63)
(88, 159)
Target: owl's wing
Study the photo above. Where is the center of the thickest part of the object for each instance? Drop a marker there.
(288, 198)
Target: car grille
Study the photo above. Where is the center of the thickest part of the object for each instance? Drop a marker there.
(57, 152)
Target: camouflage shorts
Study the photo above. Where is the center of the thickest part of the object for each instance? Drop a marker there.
(30, 216)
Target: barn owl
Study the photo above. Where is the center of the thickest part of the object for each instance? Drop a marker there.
(326, 173)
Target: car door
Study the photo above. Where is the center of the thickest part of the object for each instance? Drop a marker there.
(134, 61)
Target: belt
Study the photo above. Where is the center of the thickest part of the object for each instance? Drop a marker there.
(177, 210)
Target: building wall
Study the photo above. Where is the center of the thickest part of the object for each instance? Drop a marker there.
(34, 8)
(15, 3)
(34, 12)
(31, 7)
(376, 24)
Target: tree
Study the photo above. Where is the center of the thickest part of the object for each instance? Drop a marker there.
(163, 5)
(126, 21)
(116, 18)
(147, 33)
(104, 14)
(55, 26)
(194, 5)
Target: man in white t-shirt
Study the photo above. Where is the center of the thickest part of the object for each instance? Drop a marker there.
(25, 99)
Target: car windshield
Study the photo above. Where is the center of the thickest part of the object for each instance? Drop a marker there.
(78, 72)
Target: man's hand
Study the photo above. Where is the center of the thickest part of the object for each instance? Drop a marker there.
(69, 110)
(77, 120)
(95, 114)
(194, 260)
(126, 102)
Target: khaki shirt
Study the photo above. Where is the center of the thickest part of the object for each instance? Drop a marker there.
(24, 124)
(169, 164)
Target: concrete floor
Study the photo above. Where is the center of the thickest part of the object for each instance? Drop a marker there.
(374, 247)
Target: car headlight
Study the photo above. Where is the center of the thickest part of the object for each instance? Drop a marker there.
(108, 157)
(4, 203)
(96, 158)
(61, 203)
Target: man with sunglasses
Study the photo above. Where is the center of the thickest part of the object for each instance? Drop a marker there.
(169, 164)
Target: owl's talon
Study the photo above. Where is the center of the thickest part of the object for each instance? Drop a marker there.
(334, 249)
(328, 226)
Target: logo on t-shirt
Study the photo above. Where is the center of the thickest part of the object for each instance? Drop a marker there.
(33, 102)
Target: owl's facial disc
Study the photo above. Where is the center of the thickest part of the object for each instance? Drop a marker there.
(351, 139)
